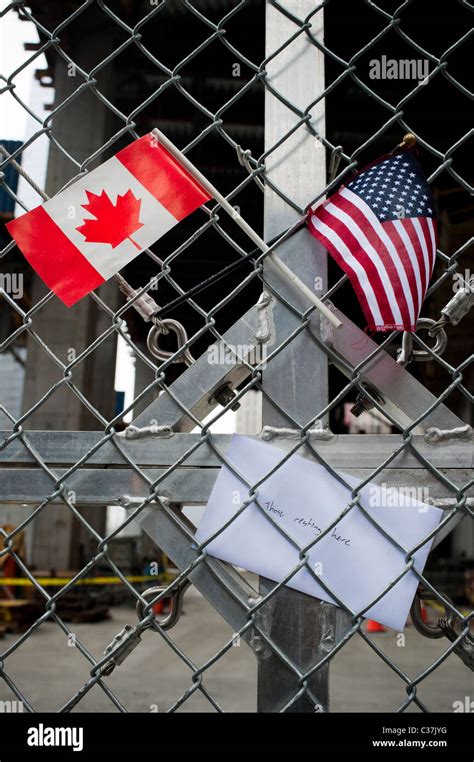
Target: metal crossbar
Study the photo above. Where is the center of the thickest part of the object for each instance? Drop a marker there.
(168, 457)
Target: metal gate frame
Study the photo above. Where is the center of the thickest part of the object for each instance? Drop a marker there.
(157, 464)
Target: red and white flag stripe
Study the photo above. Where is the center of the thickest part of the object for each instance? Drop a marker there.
(389, 263)
(131, 200)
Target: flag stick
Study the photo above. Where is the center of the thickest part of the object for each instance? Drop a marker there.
(279, 265)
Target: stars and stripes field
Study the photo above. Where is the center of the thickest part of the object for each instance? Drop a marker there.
(381, 229)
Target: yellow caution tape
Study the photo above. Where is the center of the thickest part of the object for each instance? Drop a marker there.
(60, 581)
(437, 607)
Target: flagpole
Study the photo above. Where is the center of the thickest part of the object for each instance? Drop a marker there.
(279, 265)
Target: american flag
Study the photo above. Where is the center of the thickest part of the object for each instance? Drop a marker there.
(381, 229)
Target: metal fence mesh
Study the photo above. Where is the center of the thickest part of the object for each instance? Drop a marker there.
(62, 483)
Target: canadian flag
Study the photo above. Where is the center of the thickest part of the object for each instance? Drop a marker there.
(88, 232)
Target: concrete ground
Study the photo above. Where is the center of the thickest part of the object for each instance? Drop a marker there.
(49, 672)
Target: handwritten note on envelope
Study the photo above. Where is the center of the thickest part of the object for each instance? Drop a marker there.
(355, 560)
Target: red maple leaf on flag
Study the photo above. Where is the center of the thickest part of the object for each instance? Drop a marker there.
(113, 223)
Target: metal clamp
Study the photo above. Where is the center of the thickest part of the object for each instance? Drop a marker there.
(459, 306)
(163, 327)
(176, 603)
(121, 646)
(129, 637)
(406, 354)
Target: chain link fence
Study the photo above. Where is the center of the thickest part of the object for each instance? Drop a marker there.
(166, 455)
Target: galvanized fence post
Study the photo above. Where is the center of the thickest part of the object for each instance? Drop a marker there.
(296, 379)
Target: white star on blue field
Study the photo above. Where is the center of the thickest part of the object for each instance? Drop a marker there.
(395, 188)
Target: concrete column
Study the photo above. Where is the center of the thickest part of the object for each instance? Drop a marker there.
(81, 128)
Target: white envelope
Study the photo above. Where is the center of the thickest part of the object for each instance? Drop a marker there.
(355, 560)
